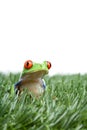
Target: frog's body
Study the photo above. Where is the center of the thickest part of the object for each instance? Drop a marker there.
(32, 77)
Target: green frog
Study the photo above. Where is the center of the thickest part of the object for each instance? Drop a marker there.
(32, 77)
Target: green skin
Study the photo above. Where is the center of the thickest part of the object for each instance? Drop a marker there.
(37, 70)
(33, 78)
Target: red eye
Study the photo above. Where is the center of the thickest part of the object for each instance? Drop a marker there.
(48, 64)
(28, 64)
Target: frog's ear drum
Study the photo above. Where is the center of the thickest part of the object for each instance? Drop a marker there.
(28, 64)
(48, 64)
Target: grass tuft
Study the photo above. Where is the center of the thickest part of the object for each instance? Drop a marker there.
(63, 106)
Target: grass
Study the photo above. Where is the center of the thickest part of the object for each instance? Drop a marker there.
(63, 106)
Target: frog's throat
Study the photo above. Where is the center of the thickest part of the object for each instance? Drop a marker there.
(34, 75)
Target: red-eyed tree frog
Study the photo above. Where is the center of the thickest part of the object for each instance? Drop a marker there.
(32, 77)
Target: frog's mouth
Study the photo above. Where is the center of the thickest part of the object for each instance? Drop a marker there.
(35, 75)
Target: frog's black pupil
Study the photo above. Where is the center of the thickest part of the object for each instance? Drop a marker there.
(27, 63)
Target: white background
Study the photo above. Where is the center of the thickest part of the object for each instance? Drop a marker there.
(44, 30)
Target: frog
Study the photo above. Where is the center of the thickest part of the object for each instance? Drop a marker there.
(32, 77)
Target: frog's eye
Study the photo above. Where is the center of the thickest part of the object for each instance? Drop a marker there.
(28, 64)
(48, 65)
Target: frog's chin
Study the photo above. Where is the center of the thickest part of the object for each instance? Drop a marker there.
(35, 75)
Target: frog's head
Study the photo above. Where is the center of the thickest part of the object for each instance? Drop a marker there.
(32, 70)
